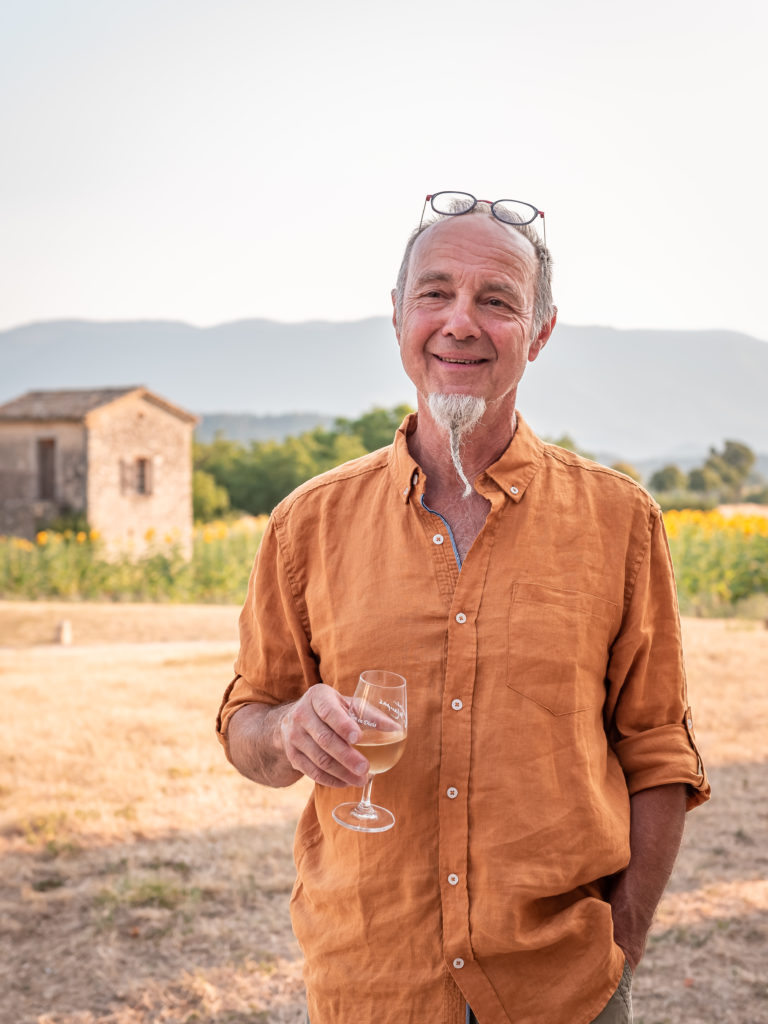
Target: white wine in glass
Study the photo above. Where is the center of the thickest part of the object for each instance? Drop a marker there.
(379, 708)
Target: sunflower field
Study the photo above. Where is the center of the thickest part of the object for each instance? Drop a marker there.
(73, 565)
(721, 565)
(721, 562)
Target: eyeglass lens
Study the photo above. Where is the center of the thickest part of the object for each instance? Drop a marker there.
(511, 211)
(450, 203)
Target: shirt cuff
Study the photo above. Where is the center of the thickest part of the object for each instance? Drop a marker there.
(236, 696)
(665, 755)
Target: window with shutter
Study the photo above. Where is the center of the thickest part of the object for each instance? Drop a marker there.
(46, 468)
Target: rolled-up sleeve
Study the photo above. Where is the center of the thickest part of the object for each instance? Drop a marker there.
(275, 663)
(648, 719)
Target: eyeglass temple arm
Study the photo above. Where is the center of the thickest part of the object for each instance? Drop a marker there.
(423, 211)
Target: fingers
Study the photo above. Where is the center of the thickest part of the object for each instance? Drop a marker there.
(317, 734)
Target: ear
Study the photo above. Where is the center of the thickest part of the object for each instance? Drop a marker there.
(542, 337)
(394, 314)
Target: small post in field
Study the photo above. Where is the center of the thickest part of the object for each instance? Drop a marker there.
(64, 633)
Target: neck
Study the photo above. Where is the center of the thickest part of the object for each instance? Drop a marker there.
(430, 446)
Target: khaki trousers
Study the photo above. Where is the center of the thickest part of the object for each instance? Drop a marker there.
(619, 1008)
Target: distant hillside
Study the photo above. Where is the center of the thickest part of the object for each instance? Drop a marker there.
(252, 366)
(643, 394)
(245, 427)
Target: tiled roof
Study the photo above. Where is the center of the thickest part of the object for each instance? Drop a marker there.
(59, 405)
(76, 404)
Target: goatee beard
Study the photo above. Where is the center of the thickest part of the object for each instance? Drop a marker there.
(458, 415)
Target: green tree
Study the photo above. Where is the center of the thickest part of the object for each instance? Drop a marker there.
(329, 448)
(567, 442)
(375, 428)
(724, 472)
(259, 475)
(704, 480)
(269, 471)
(209, 499)
(739, 456)
(668, 478)
(219, 458)
(628, 470)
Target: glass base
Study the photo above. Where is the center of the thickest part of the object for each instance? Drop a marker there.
(375, 818)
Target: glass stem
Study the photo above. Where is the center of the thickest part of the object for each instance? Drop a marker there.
(365, 799)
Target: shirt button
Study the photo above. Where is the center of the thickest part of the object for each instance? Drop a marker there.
(438, 538)
(461, 618)
(513, 490)
(453, 879)
(452, 792)
(458, 963)
(457, 705)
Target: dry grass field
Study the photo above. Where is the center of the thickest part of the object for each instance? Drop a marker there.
(144, 881)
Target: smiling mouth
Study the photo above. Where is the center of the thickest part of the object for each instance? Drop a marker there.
(460, 362)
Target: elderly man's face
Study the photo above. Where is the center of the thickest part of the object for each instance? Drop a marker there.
(465, 326)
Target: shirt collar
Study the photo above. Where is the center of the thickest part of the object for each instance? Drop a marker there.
(402, 465)
(517, 466)
(511, 473)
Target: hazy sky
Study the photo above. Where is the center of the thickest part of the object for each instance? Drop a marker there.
(209, 161)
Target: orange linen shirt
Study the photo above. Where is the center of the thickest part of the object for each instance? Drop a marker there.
(545, 686)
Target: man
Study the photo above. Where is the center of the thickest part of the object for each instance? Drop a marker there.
(526, 595)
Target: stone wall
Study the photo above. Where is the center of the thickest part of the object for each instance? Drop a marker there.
(118, 436)
(21, 510)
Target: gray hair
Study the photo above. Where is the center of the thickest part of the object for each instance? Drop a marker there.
(543, 307)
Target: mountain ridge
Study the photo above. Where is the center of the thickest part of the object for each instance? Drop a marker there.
(635, 391)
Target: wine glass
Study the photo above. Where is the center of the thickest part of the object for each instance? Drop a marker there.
(379, 708)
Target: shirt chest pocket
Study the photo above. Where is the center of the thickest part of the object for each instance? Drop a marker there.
(558, 647)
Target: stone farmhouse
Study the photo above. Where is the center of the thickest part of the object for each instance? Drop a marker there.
(120, 458)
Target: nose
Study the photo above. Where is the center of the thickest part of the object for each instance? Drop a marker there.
(461, 320)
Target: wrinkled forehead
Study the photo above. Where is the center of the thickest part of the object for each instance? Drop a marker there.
(474, 239)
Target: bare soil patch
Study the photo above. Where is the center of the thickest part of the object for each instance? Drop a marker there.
(144, 881)
(745, 508)
(26, 623)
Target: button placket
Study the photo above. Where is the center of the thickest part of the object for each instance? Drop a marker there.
(459, 682)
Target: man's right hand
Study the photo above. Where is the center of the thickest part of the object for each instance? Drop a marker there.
(317, 734)
(277, 745)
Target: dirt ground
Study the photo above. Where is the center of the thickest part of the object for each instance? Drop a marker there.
(144, 881)
(28, 623)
